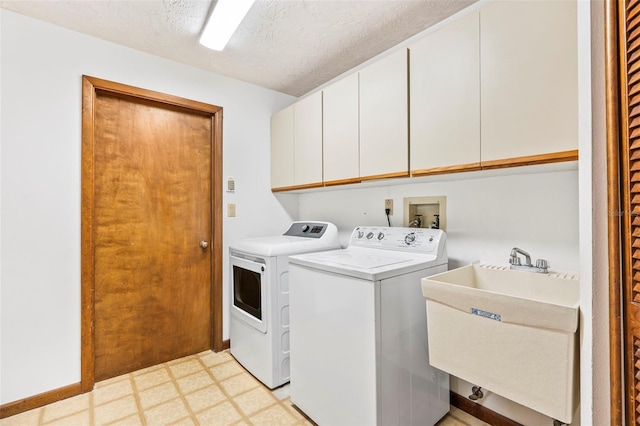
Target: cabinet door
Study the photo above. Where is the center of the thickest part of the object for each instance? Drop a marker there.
(529, 70)
(307, 128)
(282, 148)
(445, 98)
(384, 127)
(340, 143)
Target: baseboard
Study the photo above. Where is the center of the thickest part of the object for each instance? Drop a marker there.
(480, 412)
(39, 400)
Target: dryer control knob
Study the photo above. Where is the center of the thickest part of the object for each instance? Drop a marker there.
(380, 236)
(369, 235)
(360, 234)
(305, 228)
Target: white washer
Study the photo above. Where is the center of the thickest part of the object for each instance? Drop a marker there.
(259, 273)
(359, 353)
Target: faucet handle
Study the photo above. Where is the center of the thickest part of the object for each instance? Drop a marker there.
(542, 264)
(514, 260)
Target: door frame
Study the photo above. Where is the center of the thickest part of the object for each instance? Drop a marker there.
(91, 86)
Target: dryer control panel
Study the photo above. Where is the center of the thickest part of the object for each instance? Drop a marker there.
(423, 240)
(307, 229)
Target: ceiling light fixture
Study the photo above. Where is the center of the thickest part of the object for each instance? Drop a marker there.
(222, 23)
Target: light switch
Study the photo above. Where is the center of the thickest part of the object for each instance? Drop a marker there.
(231, 185)
(231, 210)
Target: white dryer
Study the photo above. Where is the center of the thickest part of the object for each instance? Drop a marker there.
(359, 353)
(259, 273)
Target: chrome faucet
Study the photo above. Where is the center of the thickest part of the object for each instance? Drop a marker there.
(542, 266)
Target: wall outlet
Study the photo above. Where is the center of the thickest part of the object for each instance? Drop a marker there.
(231, 210)
(388, 204)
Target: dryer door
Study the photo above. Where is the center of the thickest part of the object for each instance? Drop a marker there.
(249, 290)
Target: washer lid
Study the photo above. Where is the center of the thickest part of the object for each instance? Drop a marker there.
(367, 264)
(360, 260)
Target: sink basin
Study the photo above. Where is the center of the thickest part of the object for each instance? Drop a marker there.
(511, 332)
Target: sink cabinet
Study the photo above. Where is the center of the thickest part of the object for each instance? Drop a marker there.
(529, 81)
(445, 99)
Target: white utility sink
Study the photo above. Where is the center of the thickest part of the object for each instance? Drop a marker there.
(512, 332)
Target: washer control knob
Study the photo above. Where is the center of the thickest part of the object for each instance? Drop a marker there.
(410, 238)
(369, 235)
(380, 236)
(305, 228)
(360, 234)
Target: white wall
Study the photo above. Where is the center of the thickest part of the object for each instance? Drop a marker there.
(488, 212)
(40, 134)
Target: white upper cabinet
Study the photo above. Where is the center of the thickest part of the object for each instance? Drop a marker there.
(296, 144)
(529, 88)
(384, 129)
(340, 130)
(282, 148)
(307, 126)
(445, 98)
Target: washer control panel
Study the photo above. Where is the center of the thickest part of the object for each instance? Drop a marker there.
(410, 239)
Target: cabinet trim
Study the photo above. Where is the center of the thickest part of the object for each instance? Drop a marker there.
(470, 167)
(294, 187)
(554, 157)
(342, 181)
(386, 176)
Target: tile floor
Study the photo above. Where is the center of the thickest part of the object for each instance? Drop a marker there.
(204, 389)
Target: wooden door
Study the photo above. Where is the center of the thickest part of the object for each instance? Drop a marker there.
(623, 140)
(630, 178)
(151, 231)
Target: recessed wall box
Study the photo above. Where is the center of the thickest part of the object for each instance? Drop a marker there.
(425, 212)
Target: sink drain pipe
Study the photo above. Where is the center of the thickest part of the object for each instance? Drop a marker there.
(476, 393)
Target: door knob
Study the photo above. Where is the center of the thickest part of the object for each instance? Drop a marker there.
(204, 244)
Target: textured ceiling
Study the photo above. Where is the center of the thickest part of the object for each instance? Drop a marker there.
(292, 46)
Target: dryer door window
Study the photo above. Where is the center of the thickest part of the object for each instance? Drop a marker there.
(249, 290)
(246, 292)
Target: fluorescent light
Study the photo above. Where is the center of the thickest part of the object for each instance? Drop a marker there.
(223, 22)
